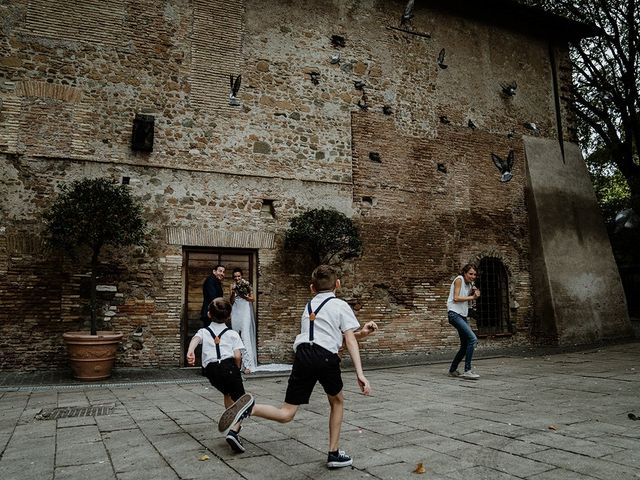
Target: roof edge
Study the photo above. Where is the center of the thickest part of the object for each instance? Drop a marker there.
(518, 16)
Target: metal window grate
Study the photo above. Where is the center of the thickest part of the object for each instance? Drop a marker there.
(493, 305)
(68, 412)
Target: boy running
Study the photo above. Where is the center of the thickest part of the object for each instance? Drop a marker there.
(221, 359)
(325, 321)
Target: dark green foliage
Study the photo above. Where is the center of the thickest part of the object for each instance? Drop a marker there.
(94, 213)
(606, 84)
(325, 235)
(610, 186)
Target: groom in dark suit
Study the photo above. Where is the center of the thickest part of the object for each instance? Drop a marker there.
(211, 288)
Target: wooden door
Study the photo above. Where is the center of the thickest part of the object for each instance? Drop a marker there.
(198, 264)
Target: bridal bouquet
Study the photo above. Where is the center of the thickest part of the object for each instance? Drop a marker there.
(242, 288)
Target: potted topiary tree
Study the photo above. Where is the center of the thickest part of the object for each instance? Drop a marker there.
(91, 214)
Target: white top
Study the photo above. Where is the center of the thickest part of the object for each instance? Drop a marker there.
(333, 319)
(229, 342)
(461, 308)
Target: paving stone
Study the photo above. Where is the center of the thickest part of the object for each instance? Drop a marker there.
(93, 471)
(81, 454)
(563, 442)
(598, 468)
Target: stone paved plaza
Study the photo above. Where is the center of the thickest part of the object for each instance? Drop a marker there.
(548, 417)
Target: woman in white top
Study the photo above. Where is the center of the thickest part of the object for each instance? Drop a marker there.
(242, 319)
(462, 291)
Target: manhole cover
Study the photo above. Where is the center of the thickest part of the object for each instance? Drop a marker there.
(67, 412)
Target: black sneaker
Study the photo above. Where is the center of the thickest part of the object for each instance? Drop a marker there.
(234, 442)
(240, 410)
(338, 460)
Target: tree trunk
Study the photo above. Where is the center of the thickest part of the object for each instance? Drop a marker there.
(93, 305)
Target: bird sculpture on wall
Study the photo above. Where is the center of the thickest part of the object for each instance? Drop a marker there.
(471, 125)
(509, 89)
(441, 63)
(444, 119)
(407, 15)
(531, 126)
(233, 93)
(504, 166)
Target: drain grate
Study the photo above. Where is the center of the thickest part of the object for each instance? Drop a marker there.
(69, 412)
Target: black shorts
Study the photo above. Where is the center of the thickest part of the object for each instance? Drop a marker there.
(225, 376)
(313, 364)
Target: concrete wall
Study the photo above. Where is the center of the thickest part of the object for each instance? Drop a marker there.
(578, 292)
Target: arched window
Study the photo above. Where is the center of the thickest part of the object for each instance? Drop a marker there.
(492, 308)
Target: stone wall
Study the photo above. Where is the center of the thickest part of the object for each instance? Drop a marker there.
(73, 78)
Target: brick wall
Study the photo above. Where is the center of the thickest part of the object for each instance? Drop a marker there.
(72, 80)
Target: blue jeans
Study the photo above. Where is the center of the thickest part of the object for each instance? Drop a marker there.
(468, 341)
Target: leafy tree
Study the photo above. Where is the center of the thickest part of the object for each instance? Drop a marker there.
(325, 235)
(611, 188)
(94, 213)
(606, 84)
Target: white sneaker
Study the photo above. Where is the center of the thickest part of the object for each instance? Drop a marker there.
(469, 375)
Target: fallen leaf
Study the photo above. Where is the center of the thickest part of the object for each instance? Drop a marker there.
(204, 458)
(420, 469)
(552, 427)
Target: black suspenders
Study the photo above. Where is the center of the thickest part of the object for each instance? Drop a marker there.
(312, 316)
(216, 340)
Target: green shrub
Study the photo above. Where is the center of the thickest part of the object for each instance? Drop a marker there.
(325, 235)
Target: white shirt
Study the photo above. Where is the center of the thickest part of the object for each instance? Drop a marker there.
(229, 342)
(333, 319)
(461, 308)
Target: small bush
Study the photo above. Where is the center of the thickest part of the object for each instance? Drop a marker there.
(325, 235)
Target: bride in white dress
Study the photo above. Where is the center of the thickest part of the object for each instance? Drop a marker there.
(242, 319)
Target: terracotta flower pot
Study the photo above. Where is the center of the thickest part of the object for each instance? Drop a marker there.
(91, 357)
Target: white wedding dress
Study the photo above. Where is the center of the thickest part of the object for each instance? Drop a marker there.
(242, 321)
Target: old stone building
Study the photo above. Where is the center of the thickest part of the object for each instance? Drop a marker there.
(340, 106)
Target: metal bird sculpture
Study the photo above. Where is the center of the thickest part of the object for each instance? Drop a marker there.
(335, 58)
(531, 126)
(471, 125)
(407, 14)
(233, 93)
(504, 166)
(444, 119)
(509, 89)
(387, 110)
(441, 63)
